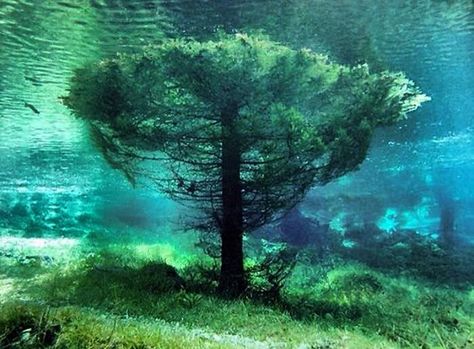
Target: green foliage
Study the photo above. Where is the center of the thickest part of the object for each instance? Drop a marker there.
(342, 305)
(109, 277)
(298, 118)
(25, 327)
(410, 253)
(159, 277)
(401, 310)
(241, 126)
(201, 277)
(269, 272)
(32, 326)
(189, 299)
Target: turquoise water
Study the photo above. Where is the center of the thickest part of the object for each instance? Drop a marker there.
(413, 192)
(49, 154)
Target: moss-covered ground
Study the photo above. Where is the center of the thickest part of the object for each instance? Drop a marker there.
(58, 293)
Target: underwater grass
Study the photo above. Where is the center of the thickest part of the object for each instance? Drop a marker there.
(345, 305)
(405, 311)
(30, 325)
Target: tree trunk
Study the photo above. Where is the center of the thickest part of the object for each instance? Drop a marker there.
(447, 217)
(232, 281)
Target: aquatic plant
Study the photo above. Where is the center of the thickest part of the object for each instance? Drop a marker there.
(28, 325)
(23, 326)
(104, 300)
(241, 127)
(407, 252)
(268, 273)
(411, 313)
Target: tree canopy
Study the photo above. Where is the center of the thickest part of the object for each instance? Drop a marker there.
(241, 126)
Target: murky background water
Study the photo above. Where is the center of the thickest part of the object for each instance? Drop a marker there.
(49, 171)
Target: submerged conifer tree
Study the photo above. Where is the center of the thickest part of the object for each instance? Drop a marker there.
(240, 126)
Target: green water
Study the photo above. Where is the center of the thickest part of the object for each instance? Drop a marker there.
(379, 257)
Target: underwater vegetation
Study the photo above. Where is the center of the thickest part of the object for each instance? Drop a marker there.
(408, 252)
(122, 296)
(278, 185)
(241, 127)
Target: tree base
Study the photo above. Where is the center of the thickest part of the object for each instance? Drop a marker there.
(232, 286)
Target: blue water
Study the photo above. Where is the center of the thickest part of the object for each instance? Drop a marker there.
(47, 159)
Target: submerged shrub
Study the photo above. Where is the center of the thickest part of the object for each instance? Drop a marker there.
(356, 282)
(410, 253)
(189, 299)
(153, 277)
(201, 277)
(159, 277)
(268, 274)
